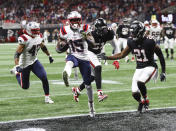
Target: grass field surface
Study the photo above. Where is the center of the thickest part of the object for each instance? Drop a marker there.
(19, 104)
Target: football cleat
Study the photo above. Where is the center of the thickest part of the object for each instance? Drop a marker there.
(92, 114)
(140, 107)
(48, 100)
(101, 96)
(75, 94)
(65, 78)
(91, 108)
(145, 103)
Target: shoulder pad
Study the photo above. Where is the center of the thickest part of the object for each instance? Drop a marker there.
(22, 39)
(85, 27)
(62, 30)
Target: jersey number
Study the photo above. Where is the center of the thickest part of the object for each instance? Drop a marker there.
(77, 46)
(140, 55)
(34, 50)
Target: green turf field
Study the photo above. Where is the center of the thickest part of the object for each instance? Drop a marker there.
(18, 104)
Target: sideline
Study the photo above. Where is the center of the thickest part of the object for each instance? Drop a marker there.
(81, 115)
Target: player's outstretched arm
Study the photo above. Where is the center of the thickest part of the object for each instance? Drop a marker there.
(45, 50)
(121, 55)
(162, 62)
(18, 52)
(90, 40)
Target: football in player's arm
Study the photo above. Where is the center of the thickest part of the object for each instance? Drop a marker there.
(143, 48)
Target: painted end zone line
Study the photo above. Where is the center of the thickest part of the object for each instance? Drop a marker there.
(81, 115)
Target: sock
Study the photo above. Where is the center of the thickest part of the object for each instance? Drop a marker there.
(142, 89)
(89, 93)
(68, 67)
(137, 96)
(98, 78)
(45, 86)
(166, 50)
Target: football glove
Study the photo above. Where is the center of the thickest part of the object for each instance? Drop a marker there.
(83, 34)
(116, 64)
(19, 69)
(102, 56)
(51, 59)
(163, 76)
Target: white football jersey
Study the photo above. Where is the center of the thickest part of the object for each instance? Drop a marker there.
(155, 32)
(78, 46)
(32, 45)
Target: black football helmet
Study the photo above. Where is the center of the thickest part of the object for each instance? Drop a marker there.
(137, 30)
(100, 26)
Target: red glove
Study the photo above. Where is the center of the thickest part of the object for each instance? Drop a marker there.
(116, 64)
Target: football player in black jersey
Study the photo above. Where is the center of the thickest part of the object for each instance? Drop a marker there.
(101, 34)
(169, 36)
(123, 32)
(143, 48)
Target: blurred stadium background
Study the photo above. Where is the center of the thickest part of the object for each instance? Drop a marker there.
(17, 104)
(52, 14)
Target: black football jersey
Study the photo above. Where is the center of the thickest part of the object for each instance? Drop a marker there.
(169, 32)
(143, 51)
(100, 41)
(123, 31)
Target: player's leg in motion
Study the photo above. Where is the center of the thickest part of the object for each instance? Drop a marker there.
(166, 46)
(124, 46)
(68, 69)
(23, 77)
(85, 70)
(40, 72)
(171, 44)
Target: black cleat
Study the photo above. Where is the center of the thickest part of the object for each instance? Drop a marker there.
(140, 106)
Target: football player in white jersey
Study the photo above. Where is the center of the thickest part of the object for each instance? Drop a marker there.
(155, 32)
(76, 35)
(26, 58)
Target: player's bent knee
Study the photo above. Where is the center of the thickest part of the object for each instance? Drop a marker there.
(140, 84)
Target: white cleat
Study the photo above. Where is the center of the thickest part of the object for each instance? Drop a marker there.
(48, 100)
(91, 108)
(92, 114)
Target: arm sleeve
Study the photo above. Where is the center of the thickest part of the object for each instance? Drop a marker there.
(161, 58)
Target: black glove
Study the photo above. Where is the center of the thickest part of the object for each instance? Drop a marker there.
(19, 69)
(102, 56)
(163, 76)
(51, 59)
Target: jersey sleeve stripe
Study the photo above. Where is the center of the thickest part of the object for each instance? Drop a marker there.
(24, 38)
(63, 30)
(85, 27)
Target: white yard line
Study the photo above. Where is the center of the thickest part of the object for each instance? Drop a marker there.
(65, 94)
(72, 116)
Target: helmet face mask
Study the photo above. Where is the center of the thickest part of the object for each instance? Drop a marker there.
(137, 30)
(74, 20)
(33, 29)
(100, 26)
